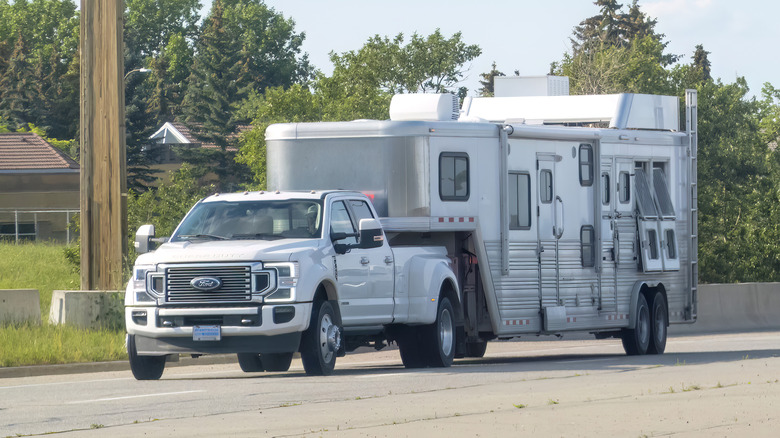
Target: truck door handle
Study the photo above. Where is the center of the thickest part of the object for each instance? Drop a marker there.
(364, 261)
(388, 260)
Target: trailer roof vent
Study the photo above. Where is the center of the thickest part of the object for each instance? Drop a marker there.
(424, 107)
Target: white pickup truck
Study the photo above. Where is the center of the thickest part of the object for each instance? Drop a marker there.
(268, 274)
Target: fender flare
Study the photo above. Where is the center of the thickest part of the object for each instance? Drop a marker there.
(638, 288)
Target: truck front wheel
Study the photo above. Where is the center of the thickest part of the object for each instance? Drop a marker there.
(321, 341)
(144, 367)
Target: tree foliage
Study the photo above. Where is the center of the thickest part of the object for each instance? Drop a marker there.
(361, 86)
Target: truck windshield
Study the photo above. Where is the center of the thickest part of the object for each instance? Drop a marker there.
(252, 220)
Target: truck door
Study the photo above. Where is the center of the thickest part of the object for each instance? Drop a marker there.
(364, 276)
(550, 211)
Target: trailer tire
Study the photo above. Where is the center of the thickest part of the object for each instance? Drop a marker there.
(439, 337)
(144, 367)
(321, 341)
(659, 318)
(476, 349)
(276, 361)
(410, 347)
(636, 341)
(250, 362)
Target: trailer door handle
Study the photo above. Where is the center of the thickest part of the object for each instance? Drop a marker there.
(558, 231)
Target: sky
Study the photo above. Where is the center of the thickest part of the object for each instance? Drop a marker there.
(528, 35)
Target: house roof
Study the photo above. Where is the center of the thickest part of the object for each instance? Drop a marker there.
(27, 151)
(177, 132)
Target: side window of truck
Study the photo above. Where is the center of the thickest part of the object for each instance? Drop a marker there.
(361, 210)
(454, 176)
(341, 223)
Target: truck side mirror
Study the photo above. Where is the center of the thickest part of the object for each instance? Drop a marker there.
(143, 239)
(370, 234)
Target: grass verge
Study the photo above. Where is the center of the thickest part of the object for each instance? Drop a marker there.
(37, 266)
(29, 344)
(45, 268)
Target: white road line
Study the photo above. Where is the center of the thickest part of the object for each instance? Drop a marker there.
(97, 400)
(78, 382)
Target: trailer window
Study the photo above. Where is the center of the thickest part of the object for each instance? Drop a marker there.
(652, 242)
(662, 194)
(545, 186)
(587, 248)
(605, 189)
(454, 176)
(624, 187)
(519, 201)
(671, 245)
(586, 165)
(644, 203)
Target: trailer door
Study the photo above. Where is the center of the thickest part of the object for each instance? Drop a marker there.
(550, 229)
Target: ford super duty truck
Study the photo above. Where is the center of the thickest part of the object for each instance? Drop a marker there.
(268, 274)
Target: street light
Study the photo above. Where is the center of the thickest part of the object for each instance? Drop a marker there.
(139, 70)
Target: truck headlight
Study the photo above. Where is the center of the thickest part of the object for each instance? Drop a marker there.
(286, 281)
(141, 278)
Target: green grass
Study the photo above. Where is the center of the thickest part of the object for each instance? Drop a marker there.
(29, 344)
(37, 266)
(44, 267)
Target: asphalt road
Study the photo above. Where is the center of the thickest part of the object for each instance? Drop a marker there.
(714, 385)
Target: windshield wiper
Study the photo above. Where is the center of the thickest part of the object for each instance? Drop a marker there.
(260, 236)
(202, 236)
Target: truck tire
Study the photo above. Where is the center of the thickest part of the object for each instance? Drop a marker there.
(321, 341)
(659, 319)
(410, 347)
(144, 367)
(250, 362)
(276, 361)
(636, 341)
(476, 349)
(439, 337)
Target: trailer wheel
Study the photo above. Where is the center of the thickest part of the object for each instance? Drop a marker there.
(250, 362)
(660, 322)
(276, 361)
(476, 349)
(144, 367)
(321, 341)
(637, 340)
(410, 347)
(440, 336)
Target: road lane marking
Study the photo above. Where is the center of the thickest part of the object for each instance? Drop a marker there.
(69, 382)
(98, 400)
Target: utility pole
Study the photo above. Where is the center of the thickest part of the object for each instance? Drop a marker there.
(103, 162)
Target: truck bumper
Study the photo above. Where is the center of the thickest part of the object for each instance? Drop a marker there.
(260, 329)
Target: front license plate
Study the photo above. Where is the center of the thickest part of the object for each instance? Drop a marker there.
(206, 333)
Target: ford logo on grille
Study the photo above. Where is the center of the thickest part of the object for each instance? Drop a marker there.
(206, 283)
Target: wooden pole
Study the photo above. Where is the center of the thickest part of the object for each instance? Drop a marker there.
(103, 162)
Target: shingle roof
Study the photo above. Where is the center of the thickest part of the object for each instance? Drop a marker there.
(187, 132)
(28, 151)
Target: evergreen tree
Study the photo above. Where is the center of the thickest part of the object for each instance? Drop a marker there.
(488, 81)
(16, 88)
(701, 63)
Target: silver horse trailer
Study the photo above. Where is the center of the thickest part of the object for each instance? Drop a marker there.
(560, 214)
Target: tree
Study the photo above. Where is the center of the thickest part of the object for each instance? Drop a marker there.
(362, 84)
(151, 24)
(488, 81)
(16, 90)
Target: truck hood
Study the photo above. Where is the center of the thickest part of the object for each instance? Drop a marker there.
(229, 251)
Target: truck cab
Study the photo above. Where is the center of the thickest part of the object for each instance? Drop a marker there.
(265, 274)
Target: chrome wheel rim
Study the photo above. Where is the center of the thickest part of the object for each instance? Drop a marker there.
(330, 338)
(446, 332)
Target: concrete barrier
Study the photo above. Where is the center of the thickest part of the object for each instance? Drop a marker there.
(88, 309)
(735, 308)
(20, 305)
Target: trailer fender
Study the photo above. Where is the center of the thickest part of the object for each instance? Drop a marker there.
(635, 291)
(428, 279)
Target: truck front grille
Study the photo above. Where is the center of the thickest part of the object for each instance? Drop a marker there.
(236, 284)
